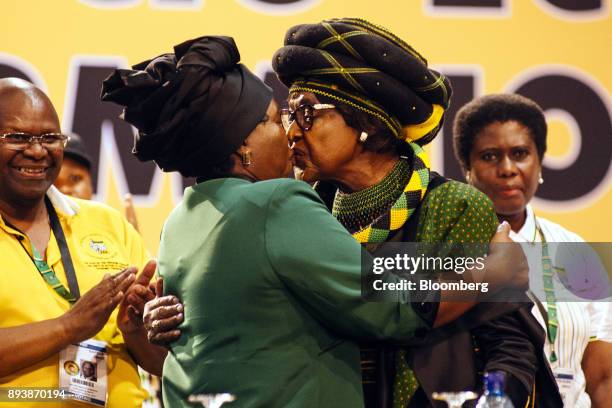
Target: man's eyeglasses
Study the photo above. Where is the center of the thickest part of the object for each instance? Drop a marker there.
(303, 115)
(21, 141)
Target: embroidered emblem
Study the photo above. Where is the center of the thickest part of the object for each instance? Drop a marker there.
(98, 246)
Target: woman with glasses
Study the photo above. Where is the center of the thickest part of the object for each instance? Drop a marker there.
(500, 141)
(270, 281)
(362, 104)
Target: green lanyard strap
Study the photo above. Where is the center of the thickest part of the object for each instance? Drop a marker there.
(49, 276)
(45, 270)
(549, 290)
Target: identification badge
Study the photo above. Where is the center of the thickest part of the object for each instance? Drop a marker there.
(82, 372)
(565, 381)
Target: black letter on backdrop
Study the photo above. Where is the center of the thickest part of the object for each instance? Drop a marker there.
(7, 71)
(590, 112)
(89, 113)
(469, 3)
(577, 5)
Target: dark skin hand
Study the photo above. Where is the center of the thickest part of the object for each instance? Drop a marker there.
(505, 267)
(129, 320)
(91, 312)
(162, 316)
(25, 345)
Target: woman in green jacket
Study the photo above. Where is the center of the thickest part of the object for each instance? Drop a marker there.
(270, 281)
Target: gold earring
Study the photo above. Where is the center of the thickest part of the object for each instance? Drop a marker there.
(246, 157)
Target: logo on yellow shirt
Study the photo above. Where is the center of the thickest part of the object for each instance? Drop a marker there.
(99, 246)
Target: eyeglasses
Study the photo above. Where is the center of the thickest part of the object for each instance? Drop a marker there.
(304, 115)
(21, 141)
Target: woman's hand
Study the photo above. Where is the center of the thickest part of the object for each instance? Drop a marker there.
(162, 316)
(506, 265)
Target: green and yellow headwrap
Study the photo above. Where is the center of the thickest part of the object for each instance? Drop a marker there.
(367, 67)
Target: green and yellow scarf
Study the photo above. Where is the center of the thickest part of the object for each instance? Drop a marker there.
(385, 209)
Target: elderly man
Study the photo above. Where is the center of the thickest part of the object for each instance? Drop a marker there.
(53, 248)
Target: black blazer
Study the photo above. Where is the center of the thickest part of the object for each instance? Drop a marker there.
(447, 359)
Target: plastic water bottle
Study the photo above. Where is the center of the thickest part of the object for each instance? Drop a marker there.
(494, 395)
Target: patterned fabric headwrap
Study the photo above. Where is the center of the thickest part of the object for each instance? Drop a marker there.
(368, 68)
(192, 108)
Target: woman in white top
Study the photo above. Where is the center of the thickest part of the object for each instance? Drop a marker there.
(500, 141)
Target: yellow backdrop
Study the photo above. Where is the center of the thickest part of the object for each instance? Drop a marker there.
(500, 46)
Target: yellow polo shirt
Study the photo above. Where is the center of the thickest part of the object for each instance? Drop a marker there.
(100, 240)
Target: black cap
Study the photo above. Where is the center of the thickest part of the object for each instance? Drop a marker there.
(77, 151)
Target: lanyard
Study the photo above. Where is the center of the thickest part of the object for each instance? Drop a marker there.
(45, 270)
(549, 290)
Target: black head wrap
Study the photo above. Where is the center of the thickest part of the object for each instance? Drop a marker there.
(369, 68)
(193, 108)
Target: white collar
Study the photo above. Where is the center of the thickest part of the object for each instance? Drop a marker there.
(527, 233)
(62, 203)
